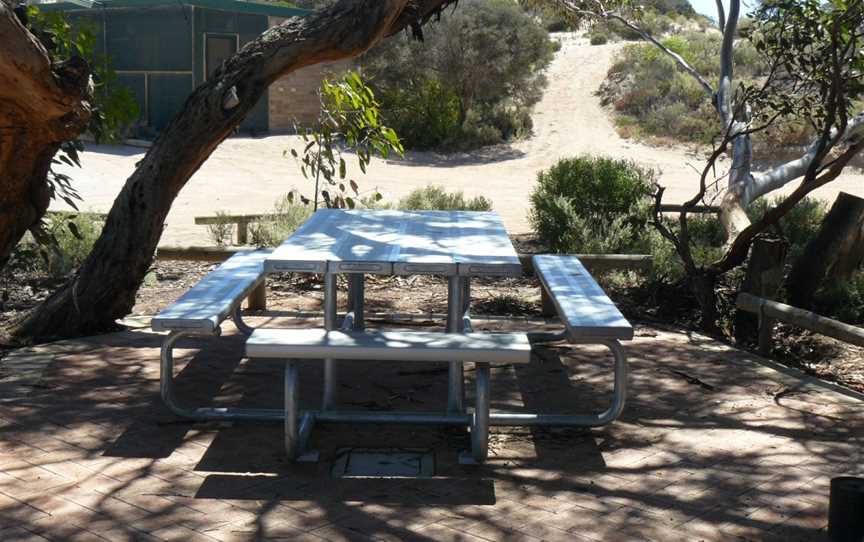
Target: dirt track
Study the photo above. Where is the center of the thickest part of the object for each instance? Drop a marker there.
(245, 175)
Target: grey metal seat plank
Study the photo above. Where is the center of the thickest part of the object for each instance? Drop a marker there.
(409, 346)
(402, 242)
(210, 301)
(582, 304)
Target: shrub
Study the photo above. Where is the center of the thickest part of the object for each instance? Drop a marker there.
(646, 87)
(590, 203)
(425, 115)
(75, 235)
(436, 95)
(288, 215)
(222, 231)
(798, 226)
(844, 301)
(599, 39)
(436, 198)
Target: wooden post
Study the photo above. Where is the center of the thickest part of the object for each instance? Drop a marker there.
(257, 300)
(242, 232)
(763, 279)
(547, 308)
(835, 252)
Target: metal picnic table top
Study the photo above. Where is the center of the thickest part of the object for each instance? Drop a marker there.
(453, 243)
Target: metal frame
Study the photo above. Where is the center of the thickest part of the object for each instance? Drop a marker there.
(298, 424)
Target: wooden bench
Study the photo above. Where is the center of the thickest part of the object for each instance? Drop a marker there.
(398, 346)
(201, 311)
(589, 317)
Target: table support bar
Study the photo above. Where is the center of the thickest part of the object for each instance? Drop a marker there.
(495, 418)
(330, 370)
(456, 377)
(356, 292)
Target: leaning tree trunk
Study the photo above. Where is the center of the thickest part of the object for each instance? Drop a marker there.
(41, 106)
(104, 287)
(836, 249)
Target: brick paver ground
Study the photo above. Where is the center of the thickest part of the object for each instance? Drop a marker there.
(714, 444)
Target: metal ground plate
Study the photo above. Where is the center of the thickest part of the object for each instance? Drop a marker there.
(383, 463)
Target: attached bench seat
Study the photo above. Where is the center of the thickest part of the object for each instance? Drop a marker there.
(590, 317)
(404, 346)
(583, 306)
(208, 303)
(408, 346)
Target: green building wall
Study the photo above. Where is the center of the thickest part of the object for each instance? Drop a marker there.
(158, 53)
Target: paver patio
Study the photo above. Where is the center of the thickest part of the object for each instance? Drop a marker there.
(714, 444)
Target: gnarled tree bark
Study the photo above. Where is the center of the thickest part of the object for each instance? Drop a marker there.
(41, 106)
(104, 287)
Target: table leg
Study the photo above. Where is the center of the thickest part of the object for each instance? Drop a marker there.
(356, 292)
(330, 374)
(456, 382)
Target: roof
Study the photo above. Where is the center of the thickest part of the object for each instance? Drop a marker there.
(241, 6)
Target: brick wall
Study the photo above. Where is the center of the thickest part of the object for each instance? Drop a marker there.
(293, 99)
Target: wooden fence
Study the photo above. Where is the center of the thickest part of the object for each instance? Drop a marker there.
(771, 311)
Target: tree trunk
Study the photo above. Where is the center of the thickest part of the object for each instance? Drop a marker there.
(836, 251)
(704, 287)
(764, 277)
(41, 106)
(104, 288)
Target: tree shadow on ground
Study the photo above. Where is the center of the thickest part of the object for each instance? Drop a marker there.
(710, 443)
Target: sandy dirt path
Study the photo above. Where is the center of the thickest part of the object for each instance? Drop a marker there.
(246, 175)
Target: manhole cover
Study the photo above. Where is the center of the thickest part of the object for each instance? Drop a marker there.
(383, 463)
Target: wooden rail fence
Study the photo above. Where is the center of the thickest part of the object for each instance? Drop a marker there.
(769, 311)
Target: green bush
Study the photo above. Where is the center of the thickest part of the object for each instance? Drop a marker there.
(463, 86)
(599, 39)
(436, 198)
(222, 231)
(75, 235)
(843, 301)
(651, 96)
(591, 204)
(425, 115)
(288, 215)
(799, 226)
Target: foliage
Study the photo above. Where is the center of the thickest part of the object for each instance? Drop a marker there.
(465, 81)
(113, 106)
(844, 301)
(223, 230)
(652, 97)
(798, 226)
(425, 116)
(72, 236)
(349, 114)
(288, 215)
(815, 48)
(591, 204)
(598, 38)
(436, 198)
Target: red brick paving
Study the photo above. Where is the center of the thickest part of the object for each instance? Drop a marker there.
(90, 453)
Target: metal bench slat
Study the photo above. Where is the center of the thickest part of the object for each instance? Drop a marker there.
(407, 346)
(210, 301)
(581, 303)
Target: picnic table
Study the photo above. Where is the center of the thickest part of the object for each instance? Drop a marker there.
(458, 245)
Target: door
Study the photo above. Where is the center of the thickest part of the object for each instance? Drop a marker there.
(217, 49)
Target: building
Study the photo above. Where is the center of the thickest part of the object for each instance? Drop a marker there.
(162, 49)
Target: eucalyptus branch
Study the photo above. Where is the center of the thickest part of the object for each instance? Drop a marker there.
(737, 251)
